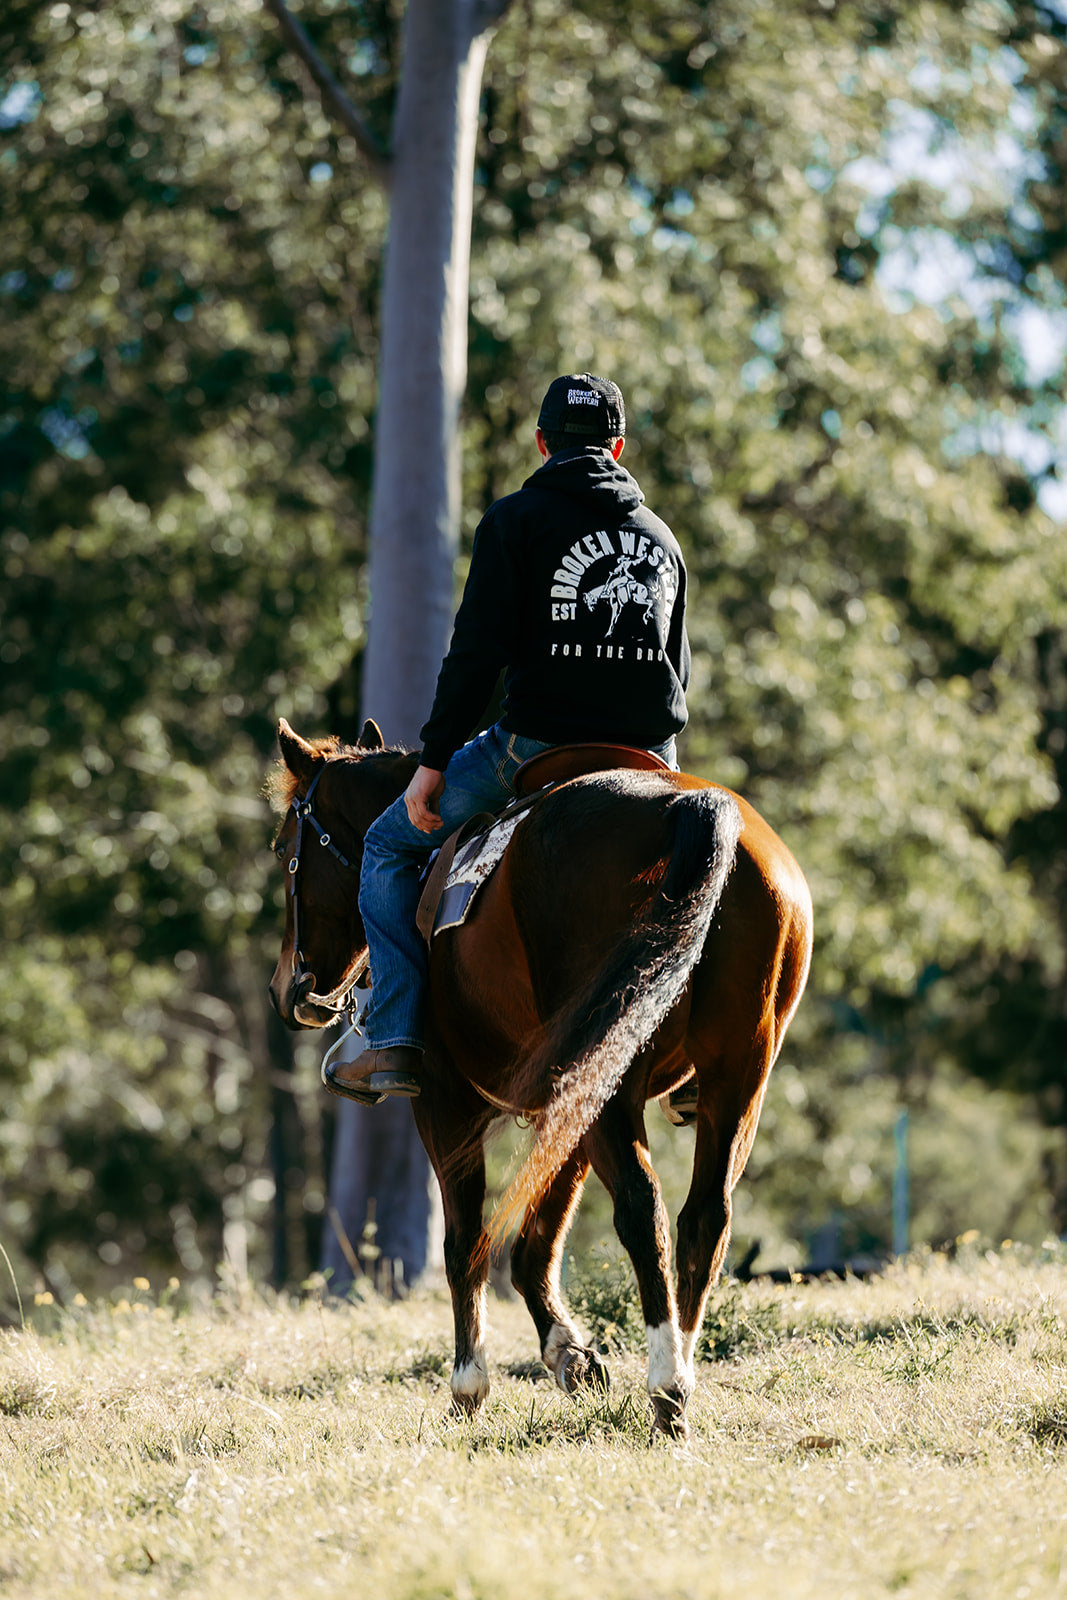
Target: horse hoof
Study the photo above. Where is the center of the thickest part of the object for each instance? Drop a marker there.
(463, 1405)
(668, 1406)
(583, 1369)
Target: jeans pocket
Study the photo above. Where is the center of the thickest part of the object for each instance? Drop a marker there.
(506, 769)
(519, 750)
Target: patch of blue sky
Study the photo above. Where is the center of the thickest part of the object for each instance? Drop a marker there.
(767, 333)
(921, 147)
(1042, 338)
(926, 77)
(1004, 436)
(1052, 492)
(681, 203)
(820, 178)
(666, 235)
(641, 221)
(665, 238)
(320, 173)
(758, 373)
(930, 266)
(1038, 454)
(20, 104)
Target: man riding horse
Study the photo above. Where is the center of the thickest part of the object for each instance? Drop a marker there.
(577, 521)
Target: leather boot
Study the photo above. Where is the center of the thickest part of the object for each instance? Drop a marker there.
(394, 1069)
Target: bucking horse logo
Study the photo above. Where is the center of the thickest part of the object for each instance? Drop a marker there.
(622, 587)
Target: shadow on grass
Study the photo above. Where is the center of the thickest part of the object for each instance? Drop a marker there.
(1046, 1422)
(570, 1422)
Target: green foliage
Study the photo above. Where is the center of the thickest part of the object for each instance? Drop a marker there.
(877, 607)
(681, 195)
(603, 1296)
(745, 1318)
(184, 444)
(736, 1323)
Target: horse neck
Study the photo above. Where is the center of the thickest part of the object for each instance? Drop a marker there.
(362, 789)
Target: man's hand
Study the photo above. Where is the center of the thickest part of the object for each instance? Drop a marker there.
(421, 798)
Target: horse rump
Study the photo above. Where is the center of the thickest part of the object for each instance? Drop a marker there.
(588, 1044)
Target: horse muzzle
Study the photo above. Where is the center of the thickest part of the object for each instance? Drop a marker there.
(288, 996)
(301, 1007)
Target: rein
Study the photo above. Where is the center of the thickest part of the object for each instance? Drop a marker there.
(338, 999)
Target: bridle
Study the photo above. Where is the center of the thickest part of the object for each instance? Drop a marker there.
(338, 1000)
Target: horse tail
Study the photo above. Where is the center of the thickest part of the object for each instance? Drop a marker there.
(588, 1046)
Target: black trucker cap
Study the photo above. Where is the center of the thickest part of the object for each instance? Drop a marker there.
(590, 408)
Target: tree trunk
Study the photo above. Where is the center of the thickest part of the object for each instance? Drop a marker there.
(414, 526)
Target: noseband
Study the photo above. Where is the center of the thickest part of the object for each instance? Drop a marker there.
(337, 999)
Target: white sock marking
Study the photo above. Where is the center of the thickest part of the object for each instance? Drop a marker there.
(668, 1368)
(471, 1380)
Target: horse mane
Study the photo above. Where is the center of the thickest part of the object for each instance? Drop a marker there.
(281, 785)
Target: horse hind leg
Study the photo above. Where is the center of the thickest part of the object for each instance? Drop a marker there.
(725, 1130)
(618, 1151)
(535, 1267)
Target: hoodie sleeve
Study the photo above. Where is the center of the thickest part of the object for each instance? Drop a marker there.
(678, 637)
(482, 641)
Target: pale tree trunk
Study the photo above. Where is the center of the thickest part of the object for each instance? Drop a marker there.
(415, 514)
(415, 510)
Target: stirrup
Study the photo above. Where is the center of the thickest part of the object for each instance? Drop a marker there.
(680, 1105)
(361, 1092)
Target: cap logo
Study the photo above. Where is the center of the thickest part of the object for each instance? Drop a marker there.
(582, 397)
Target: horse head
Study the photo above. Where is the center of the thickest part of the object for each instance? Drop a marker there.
(328, 794)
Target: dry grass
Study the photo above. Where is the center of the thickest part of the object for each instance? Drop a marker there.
(906, 1437)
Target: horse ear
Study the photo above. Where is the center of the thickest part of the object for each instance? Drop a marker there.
(297, 754)
(370, 737)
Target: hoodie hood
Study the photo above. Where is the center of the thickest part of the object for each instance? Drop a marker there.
(591, 475)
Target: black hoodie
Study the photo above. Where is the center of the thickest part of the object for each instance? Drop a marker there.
(579, 591)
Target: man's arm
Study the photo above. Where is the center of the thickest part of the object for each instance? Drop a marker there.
(482, 639)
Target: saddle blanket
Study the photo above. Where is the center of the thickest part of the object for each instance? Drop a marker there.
(472, 865)
(452, 882)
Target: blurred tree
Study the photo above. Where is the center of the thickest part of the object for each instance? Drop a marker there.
(1013, 1029)
(184, 466)
(428, 171)
(874, 576)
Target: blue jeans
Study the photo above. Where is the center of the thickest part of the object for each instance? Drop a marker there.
(479, 777)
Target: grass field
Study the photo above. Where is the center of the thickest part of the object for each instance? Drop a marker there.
(907, 1436)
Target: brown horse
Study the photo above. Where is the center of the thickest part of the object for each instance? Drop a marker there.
(642, 926)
